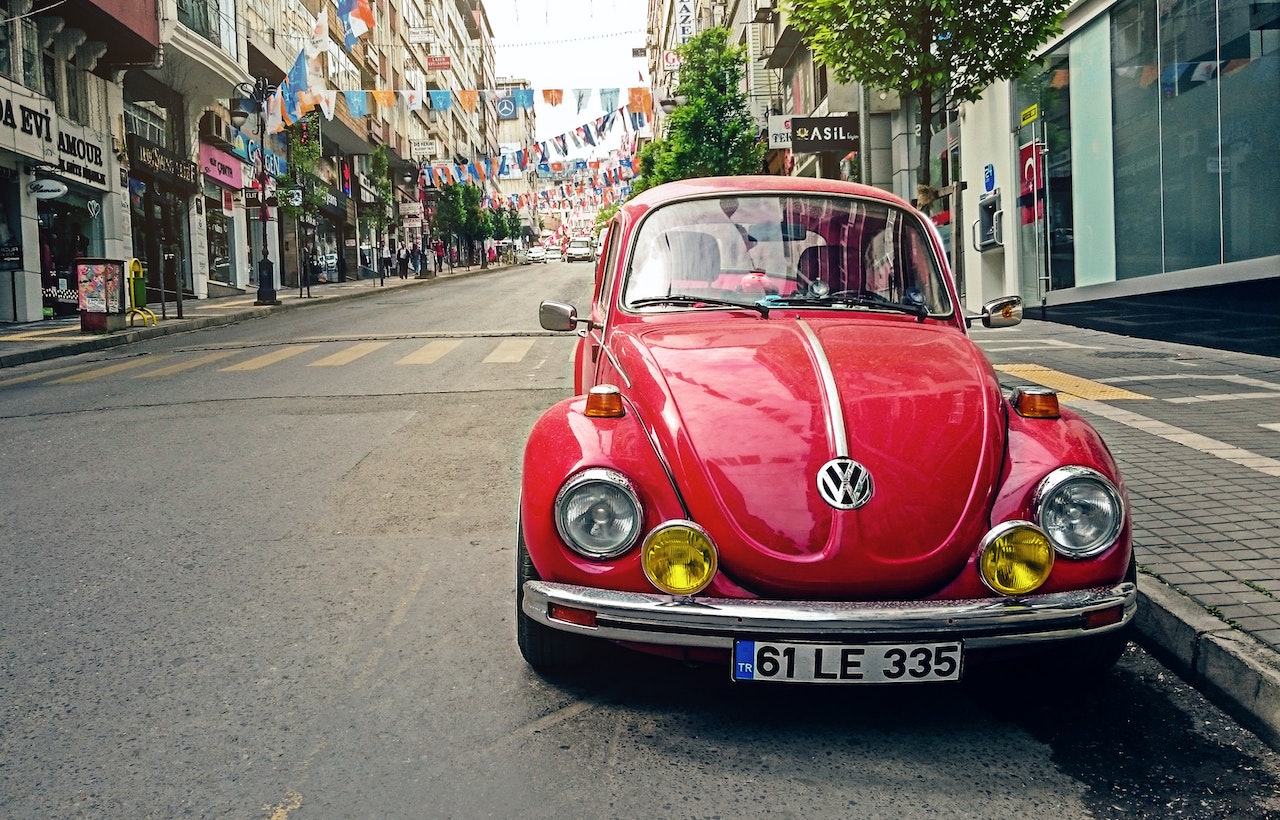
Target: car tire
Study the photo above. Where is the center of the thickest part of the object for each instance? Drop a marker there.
(1084, 661)
(542, 646)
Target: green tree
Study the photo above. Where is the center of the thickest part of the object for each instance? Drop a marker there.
(378, 215)
(926, 49)
(712, 133)
(304, 156)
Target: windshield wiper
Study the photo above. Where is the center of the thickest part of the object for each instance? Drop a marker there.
(918, 309)
(683, 299)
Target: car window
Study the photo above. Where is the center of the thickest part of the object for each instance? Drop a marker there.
(744, 248)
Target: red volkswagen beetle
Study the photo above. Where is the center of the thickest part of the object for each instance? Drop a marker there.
(787, 456)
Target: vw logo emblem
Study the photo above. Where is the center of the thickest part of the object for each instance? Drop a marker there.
(845, 484)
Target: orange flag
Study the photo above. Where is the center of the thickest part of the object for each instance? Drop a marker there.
(468, 98)
(639, 101)
(385, 98)
(553, 96)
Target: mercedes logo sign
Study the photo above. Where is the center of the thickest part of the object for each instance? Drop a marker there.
(845, 484)
(506, 108)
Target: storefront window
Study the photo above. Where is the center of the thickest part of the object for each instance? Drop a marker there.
(68, 231)
(1250, 164)
(1135, 107)
(218, 227)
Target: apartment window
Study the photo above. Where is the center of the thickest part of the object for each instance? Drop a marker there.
(30, 45)
(6, 41)
(77, 92)
(147, 121)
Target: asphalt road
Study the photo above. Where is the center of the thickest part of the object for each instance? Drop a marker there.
(267, 571)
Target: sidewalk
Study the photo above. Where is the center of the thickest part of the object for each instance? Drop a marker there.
(22, 343)
(1196, 432)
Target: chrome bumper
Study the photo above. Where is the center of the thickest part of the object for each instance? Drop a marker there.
(717, 622)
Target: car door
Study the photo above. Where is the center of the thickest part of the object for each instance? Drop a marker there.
(591, 346)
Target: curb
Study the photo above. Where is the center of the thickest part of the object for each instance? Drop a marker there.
(1231, 668)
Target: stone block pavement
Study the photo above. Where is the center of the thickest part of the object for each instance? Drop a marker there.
(1196, 432)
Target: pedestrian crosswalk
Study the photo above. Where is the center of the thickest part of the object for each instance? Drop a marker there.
(486, 351)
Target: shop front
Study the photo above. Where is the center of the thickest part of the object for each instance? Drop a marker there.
(161, 187)
(53, 183)
(222, 177)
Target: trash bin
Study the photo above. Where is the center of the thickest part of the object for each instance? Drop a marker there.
(102, 302)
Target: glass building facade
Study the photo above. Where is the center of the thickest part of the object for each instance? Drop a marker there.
(1150, 143)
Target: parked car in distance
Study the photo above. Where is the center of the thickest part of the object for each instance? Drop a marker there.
(536, 253)
(786, 456)
(580, 249)
(554, 253)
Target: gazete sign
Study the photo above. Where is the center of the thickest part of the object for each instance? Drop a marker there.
(814, 134)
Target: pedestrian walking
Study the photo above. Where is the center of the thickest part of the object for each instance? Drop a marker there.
(388, 260)
(439, 255)
(402, 259)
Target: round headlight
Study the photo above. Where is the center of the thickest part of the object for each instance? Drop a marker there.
(1080, 510)
(679, 558)
(1015, 558)
(598, 513)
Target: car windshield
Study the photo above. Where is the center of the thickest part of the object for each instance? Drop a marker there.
(793, 251)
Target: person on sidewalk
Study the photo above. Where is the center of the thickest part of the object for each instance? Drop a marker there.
(388, 260)
(439, 255)
(402, 259)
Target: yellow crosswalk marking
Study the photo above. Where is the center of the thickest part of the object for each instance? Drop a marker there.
(109, 370)
(266, 359)
(44, 374)
(510, 351)
(1067, 384)
(187, 365)
(431, 352)
(348, 355)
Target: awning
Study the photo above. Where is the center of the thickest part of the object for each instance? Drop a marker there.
(789, 42)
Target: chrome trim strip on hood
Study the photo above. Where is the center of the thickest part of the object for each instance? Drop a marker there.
(717, 622)
(833, 409)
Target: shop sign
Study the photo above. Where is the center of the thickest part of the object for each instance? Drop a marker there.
(47, 188)
(412, 224)
(779, 131)
(420, 35)
(685, 21)
(438, 62)
(37, 133)
(219, 166)
(152, 160)
(411, 209)
(816, 134)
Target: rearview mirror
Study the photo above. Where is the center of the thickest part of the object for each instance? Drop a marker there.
(1003, 312)
(557, 316)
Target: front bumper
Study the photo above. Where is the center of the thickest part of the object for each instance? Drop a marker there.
(716, 622)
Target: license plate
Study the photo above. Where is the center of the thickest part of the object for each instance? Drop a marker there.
(847, 663)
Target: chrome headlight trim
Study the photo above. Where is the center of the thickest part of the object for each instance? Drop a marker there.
(608, 497)
(1095, 496)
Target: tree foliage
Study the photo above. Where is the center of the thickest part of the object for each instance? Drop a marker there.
(304, 156)
(924, 49)
(712, 133)
(379, 215)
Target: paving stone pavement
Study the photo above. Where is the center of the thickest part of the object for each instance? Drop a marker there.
(1196, 432)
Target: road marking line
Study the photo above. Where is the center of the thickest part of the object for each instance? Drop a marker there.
(1203, 444)
(1068, 384)
(259, 362)
(348, 355)
(511, 351)
(40, 335)
(187, 365)
(1275, 426)
(1223, 397)
(1030, 344)
(431, 352)
(44, 374)
(109, 370)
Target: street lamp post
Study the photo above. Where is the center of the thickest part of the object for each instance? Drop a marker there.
(258, 93)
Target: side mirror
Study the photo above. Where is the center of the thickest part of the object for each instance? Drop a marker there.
(1003, 312)
(557, 316)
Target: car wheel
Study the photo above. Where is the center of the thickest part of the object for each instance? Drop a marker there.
(542, 646)
(1086, 660)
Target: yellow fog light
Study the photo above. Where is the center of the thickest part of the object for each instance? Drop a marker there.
(1015, 558)
(679, 558)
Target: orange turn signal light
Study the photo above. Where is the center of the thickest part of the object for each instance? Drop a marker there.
(604, 402)
(1103, 617)
(1036, 403)
(571, 615)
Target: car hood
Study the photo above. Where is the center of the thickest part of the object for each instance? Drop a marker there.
(747, 413)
